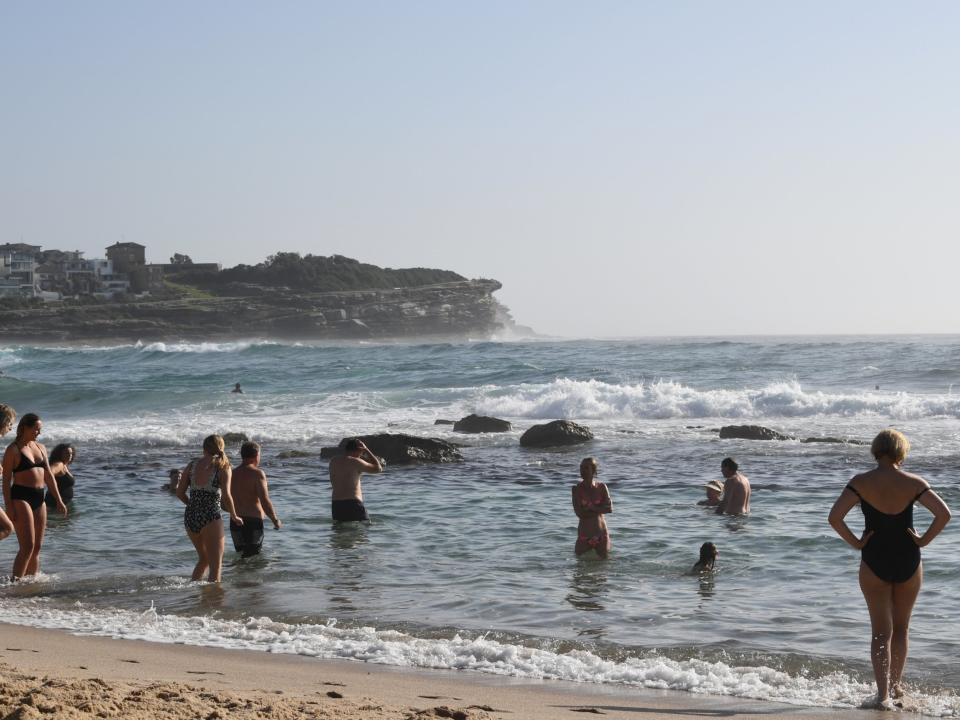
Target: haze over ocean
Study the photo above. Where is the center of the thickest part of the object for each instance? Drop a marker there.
(632, 169)
(471, 565)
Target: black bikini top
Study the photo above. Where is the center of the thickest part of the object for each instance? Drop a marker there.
(28, 464)
(879, 520)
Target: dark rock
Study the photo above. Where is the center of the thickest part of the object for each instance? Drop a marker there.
(481, 424)
(842, 441)
(234, 438)
(399, 449)
(287, 454)
(555, 434)
(444, 422)
(751, 432)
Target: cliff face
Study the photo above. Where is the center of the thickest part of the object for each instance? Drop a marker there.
(448, 309)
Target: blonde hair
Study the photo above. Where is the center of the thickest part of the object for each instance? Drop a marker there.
(891, 444)
(7, 416)
(213, 445)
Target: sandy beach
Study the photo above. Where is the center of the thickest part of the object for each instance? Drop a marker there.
(48, 673)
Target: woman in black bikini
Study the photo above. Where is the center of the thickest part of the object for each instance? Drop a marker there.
(591, 500)
(25, 470)
(60, 460)
(890, 568)
(208, 479)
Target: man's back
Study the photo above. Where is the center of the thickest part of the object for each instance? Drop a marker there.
(345, 474)
(736, 495)
(246, 490)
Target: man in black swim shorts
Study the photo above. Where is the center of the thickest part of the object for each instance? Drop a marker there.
(251, 497)
(345, 472)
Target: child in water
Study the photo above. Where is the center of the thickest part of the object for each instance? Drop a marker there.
(708, 555)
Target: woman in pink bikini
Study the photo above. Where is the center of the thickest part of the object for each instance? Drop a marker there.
(591, 501)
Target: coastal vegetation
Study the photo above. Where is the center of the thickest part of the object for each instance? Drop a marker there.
(311, 273)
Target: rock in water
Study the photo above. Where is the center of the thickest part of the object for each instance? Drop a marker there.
(481, 424)
(751, 432)
(399, 449)
(555, 434)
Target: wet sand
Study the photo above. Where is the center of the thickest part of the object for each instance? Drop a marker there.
(49, 673)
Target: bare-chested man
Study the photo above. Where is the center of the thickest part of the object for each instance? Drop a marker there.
(252, 500)
(345, 471)
(736, 489)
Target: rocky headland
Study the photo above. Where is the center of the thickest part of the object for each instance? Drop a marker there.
(195, 308)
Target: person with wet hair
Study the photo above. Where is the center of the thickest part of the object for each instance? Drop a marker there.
(60, 459)
(26, 470)
(591, 501)
(208, 480)
(891, 572)
(708, 556)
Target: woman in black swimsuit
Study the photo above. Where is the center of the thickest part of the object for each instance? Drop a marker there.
(60, 459)
(890, 569)
(208, 480)
(25, 470)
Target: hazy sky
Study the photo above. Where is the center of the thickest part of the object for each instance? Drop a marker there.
(623, 168)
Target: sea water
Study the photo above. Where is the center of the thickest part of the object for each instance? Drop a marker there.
(470, 565)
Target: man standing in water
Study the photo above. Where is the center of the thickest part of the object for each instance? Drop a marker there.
(736, 490)
(345, 472)
(251, 500)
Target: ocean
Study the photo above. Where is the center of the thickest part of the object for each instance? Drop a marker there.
(470, 566)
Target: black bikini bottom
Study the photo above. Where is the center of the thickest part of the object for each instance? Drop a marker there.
(32, 496)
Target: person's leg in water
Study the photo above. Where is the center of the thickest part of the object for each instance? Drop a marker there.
(202, 562)
(212, 538)
(904, 597)
(879, 597)
(25, 527)
(39, 529)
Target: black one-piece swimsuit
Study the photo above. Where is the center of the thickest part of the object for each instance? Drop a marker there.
(891, 552)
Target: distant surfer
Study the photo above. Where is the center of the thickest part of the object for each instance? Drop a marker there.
(736, 489)
(345, 471)
(237, 389)
(591, 501)
(251, 498)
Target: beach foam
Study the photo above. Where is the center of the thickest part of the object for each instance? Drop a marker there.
(462, 652)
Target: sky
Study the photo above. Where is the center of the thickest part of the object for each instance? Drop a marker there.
(623, 168)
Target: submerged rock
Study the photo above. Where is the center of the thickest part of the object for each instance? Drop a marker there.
(556, 434)
(400, 449)
(234, 438)
(444, 422)
(843, 441)
(481, 424)
(287, 454)
(751, 432)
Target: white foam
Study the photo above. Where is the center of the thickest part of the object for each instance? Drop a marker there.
(664, 399)
(480, 654)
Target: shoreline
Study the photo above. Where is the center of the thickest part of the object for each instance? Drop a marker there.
(46, 671)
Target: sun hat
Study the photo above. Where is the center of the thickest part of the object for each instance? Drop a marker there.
(714, 485)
